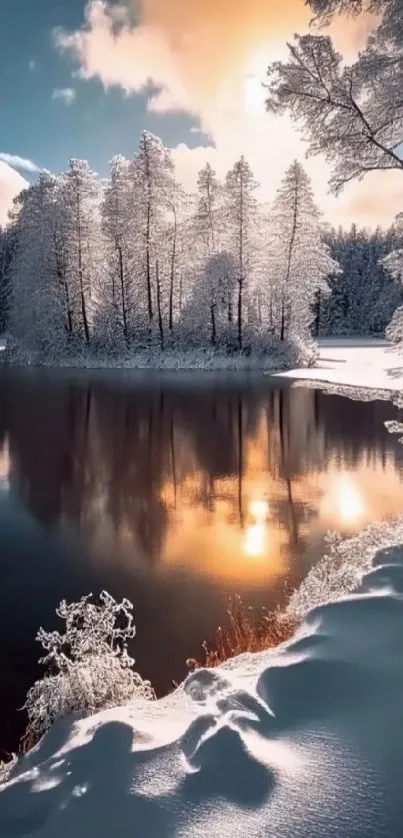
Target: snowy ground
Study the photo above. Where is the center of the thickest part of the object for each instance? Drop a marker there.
(302, 742)
(360, 363)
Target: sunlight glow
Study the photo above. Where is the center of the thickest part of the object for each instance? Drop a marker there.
(255, 94)
(259, 509)
(255, 537)
(350, 502)
(256, 532)
(4, 466)
(344, 502)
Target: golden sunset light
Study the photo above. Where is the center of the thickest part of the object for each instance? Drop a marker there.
(231, 523)
(5, 463)
(201, 418)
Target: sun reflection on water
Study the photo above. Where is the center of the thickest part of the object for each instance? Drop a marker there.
(255, 541)
(4, 465)
(344, 502)
(351, 503)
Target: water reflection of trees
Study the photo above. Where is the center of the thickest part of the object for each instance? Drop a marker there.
(110, 461)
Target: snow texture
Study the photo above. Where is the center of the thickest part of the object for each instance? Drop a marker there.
(300, 742)
(355, 366)
(276, 356)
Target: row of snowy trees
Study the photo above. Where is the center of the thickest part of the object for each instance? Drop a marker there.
(137, 261)
(364, 294)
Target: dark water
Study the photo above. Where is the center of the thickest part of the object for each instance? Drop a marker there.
(175, 491)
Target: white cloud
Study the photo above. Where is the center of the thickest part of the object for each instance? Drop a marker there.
(67, 95)
(209, 60)
(32, 65)
(11, 183)
(18, 162)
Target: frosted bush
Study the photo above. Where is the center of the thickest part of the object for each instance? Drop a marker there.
(6, 769)
(341, 570)
(89, 665)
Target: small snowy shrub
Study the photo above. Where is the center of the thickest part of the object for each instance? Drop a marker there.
(6, 769)
(90, 668)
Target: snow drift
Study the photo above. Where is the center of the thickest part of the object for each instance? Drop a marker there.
(301, 742)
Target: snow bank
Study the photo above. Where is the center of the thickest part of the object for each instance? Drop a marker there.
(341, 570)
(354, 366)
(301, 742)
(270, 355)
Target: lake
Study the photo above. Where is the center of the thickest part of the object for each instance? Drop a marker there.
(176, 491)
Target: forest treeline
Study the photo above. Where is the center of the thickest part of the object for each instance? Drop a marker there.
(134, 262)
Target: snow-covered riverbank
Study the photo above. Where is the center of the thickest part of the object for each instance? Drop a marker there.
(369, 364)
(303, 741)
(363, 364)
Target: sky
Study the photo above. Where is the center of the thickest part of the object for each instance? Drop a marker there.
(83, 79)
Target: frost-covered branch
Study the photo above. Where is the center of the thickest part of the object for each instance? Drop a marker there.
(324, 10)
(352, 115)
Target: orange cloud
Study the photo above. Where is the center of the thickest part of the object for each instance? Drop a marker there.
(209, 57)
(212, 40)
(11, 183)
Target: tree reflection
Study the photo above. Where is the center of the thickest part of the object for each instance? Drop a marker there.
(128, 466)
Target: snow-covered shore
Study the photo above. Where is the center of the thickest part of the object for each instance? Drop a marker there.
(360, 366)
(273, 356)
(363, 364)
(304, 741)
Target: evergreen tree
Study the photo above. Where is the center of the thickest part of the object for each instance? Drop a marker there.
(117, 223)
(364, 295)
(36, 311)
(7, 246)
(299, 260)
(241, 219)
(81, 228)
(211, 304)
(152, 181)
(393, 263)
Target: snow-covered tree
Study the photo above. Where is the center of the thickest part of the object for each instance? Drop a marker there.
(89, 668)
(325, 9)
(84, 266)
(393, 263)
(209, 309)
(36, 314)
(7, 246)
(117, 209)
(3, 281)
(364, 296)
(208, 221)
(351, 114)
(241, 219)
(173, 252)
(152, 176)
(208, 313)
(299, 260)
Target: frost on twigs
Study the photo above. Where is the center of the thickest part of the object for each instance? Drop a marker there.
(341, 570)
(89, 668)
(6, 768)
(394, 427)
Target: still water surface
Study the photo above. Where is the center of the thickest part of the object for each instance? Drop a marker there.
(177, 492)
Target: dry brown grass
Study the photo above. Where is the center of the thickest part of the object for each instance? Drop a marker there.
(245, 634)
